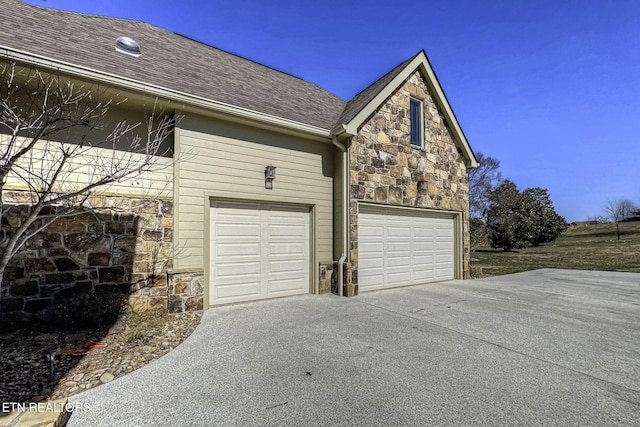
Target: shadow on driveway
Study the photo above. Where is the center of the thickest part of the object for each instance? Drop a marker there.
(542, 347)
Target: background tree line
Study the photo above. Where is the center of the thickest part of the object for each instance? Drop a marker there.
(506, 217)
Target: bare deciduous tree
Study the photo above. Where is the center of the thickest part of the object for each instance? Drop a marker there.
(55, 143)
(482, 181)
(619, 210)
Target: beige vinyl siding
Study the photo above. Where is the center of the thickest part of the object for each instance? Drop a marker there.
(81, 171)
(224, 160)
(97, 158)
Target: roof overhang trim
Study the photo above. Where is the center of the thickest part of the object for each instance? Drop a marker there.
(176, 97)
(420, 62)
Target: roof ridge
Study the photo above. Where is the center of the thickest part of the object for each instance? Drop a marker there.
(250, 60)
(238, 56)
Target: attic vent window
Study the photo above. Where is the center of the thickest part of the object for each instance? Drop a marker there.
(128, 45)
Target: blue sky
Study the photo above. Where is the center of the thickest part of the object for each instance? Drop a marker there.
(549, 88)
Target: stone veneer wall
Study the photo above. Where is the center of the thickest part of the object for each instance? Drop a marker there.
(326, 278)
(127, 245)
(385, 168)
(186, 289)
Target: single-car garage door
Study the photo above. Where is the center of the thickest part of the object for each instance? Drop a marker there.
(258, 250)
(399, 247)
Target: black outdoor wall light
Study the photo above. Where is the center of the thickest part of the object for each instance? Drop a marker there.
(269, 176)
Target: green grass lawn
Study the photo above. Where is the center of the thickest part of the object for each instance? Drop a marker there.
(592, 247)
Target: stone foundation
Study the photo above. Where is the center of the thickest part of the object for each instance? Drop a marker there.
(125, 244)
(350, 288)
(186, 291)
(326, 279)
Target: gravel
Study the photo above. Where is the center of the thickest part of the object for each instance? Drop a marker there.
(134, 341)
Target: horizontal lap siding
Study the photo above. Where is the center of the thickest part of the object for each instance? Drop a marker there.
(97, 157)
(227, 160)
(88, 165)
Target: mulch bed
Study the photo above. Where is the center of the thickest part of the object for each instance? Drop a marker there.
(133, 341)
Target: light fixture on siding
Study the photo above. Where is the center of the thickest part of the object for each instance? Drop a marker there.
(269, 176)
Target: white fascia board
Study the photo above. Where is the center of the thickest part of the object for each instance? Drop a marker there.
(343, 131)
(165, 93)
(441, 98)
(422, 63)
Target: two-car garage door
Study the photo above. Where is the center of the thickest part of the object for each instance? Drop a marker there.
(258, 251)
(262, 250)
(399, 247)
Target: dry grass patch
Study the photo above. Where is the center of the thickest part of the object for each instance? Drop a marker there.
(584, 247)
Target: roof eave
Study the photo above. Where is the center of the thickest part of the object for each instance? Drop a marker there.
(177, 97)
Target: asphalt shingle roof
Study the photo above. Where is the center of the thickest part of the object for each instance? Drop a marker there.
(176, 62)
(168, 60)
(362, 99)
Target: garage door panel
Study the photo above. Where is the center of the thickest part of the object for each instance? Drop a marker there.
(286, 248)
(370, 276)
(442, 275)
(443, 257)
(443, 268)
(403, 247)
(371, 263)
(258, 251)
(371, 231)
(287, 230)
(288, 266)
(399, 261)
(237, 249)
(237, 268)
(282, 286)
(372, 247)
(397, 276)
(244, 290)
(443, 237)
(237, 230)
(398, 245)
(239, 280)
(442, 234)
(423, 276)
(420, 262)
(423, 246)
(423, 232)
(398, 232)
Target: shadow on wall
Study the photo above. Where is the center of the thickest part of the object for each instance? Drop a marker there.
(72, 282)
(90, 263)
(77, 267)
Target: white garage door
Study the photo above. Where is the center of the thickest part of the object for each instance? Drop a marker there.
(403, 247)
(258, 251)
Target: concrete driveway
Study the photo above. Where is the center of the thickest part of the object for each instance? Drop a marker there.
(547, 347)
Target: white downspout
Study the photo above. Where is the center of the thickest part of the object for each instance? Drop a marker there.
(345, 213)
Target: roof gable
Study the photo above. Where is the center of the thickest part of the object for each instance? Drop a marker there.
(363, 105)
(361, 100)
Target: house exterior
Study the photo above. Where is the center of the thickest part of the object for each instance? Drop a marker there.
(368, 193)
